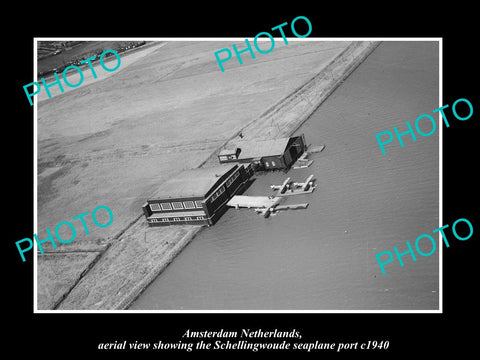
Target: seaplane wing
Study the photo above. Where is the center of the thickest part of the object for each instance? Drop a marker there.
(272, 210)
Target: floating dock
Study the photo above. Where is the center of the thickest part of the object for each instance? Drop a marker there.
(315, 149)
(302, 161)
(289, 188)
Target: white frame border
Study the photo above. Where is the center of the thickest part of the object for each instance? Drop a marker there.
(35, 203)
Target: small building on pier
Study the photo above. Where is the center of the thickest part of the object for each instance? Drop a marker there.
(270, 154)
(197, 196)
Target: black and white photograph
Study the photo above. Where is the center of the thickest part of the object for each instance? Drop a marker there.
(259, 185)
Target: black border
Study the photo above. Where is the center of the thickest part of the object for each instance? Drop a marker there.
(409, 334)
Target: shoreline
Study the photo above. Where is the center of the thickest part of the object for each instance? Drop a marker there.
(143, 254)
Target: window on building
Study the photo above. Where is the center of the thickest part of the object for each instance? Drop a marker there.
(267, 164)
(166, 206)
(154, 207)
(273, 163)
(188, 218)
(177, 205)
(218, 193)
(189, 204)
(198, 204)
(232, 179)
(164, 219)
(200, 218)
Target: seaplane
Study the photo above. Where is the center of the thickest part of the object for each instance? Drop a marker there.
(309, 182)
(263, 205)
(282, 188)
(295, 188)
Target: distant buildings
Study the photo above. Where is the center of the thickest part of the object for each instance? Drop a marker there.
(47, 49)
(196, 197)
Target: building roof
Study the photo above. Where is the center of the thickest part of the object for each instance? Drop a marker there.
(261, 148)
(191, 183)
(228, 152)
